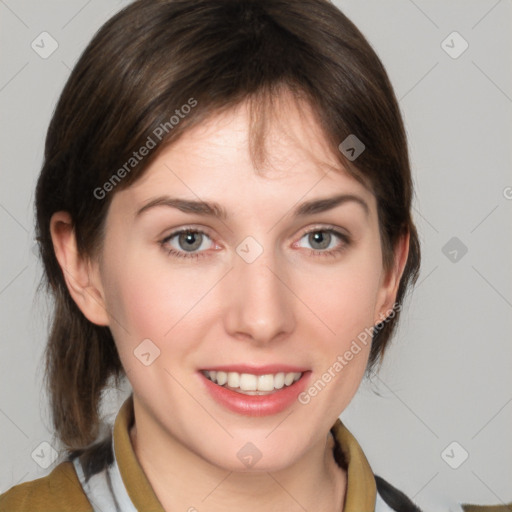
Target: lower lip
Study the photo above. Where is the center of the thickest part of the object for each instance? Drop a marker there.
(256, 405)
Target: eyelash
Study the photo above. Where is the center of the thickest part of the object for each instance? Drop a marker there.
(345, 242)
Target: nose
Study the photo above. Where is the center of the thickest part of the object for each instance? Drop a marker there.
(260, 306)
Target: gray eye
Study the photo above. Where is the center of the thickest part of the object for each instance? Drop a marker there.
(190, 241)
(319, 239)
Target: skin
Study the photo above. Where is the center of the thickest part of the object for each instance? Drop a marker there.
(293, 305)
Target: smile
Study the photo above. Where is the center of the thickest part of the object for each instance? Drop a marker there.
(255, 391)
(250, 384)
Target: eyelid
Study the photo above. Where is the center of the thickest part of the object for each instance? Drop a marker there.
(185, 229)
(327, 227)
(342, 234)
(195, 228)
(206, 231)
(345, 241)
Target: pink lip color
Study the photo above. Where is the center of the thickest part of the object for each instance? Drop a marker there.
(256, 405)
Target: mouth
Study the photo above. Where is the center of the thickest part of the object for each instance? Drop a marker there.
(255, 391)
(250, 383)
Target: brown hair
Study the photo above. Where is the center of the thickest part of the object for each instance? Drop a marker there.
(146, 63)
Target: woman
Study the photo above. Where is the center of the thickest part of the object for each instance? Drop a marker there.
(224, 217)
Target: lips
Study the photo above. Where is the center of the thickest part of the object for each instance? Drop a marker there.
(255, 391)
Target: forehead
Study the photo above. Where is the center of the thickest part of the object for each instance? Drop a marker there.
(215, 156)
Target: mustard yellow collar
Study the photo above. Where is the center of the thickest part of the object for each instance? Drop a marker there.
(360, 493)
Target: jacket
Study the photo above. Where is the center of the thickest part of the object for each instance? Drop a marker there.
(110, 478)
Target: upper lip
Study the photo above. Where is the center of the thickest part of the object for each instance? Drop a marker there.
(256, 370)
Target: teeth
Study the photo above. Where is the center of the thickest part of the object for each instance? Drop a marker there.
(233, 380)
(249, 382)
(266, 383)
(288, 379)
(279, 380)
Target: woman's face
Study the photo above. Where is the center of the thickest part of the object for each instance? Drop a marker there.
(278, 279)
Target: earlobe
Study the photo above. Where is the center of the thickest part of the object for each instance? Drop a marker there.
(82, 280)
(389, 289)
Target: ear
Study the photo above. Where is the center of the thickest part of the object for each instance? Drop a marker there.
(81, 275)
(391, 280)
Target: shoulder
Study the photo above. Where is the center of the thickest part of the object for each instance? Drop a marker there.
(394, 499)
(60, 491)
(390, 499)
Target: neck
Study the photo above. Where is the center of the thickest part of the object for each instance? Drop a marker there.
(315, 482)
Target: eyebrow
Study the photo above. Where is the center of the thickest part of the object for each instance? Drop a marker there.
(212, 209)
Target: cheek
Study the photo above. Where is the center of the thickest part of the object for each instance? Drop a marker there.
(346, 306)
(149, 298)
(345, 296)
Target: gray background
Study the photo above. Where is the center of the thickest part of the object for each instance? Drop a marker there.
(447, 376)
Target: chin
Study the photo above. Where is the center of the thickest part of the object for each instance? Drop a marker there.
(253, 453)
